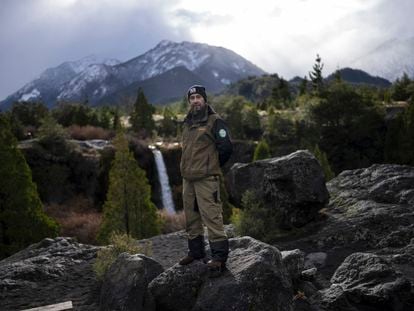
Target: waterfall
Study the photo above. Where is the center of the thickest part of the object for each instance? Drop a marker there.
(166, 195)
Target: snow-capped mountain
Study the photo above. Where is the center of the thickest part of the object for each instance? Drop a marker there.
(48, 85)
(216, 63)
(389, 60)
(91, 79)
(93, 82)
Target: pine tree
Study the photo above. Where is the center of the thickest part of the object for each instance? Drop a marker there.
(141, 117)
(316, 75)
(22, 219)
(337, 76)
(168, 126)
(116, 123)
(235, 117)
(281, 94)
(400, 90)
(128, 207)
(251, 122)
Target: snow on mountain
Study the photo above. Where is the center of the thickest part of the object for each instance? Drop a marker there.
(28, 96)
(389, 60)
(163, 57)
(91, 78)
(89, 82)
(50, 82)
(82, 64)
(193, 56)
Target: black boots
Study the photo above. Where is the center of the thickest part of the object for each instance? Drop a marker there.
(219, 250)
(196, 251)
(219, 254)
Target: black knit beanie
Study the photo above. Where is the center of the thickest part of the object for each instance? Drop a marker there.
(197, 89)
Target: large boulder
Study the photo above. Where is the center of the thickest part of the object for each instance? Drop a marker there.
(366, 281)
(49, 272)
(256, 279)
(292, 185)
(125, 283)
(370, 209)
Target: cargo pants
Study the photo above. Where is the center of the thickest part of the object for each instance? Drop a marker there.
(202, 205)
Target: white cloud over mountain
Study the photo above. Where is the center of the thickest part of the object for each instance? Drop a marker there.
(279, 36)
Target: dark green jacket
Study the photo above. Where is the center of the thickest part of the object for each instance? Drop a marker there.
(206, 145)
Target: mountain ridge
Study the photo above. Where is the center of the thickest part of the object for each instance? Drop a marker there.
(94, 81)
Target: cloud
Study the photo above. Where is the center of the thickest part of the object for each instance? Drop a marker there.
(35, 35)
(191, 19)
(280, 36)
(285, 36)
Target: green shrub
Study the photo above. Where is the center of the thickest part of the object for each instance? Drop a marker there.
(262, 151)
(120, 243)
(52, 137)
(253, 217)
(235, 219)
(323, 161)
(260, 222)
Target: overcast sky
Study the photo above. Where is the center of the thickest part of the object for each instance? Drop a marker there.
(280, 36)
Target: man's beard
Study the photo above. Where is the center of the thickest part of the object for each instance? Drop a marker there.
(198, 112)
(198, 107)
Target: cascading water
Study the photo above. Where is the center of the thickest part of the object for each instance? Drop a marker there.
(166, 195)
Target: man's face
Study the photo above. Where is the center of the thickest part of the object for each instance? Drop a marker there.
(196, 102)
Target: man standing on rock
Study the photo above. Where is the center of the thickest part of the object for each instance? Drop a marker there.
(206, 147)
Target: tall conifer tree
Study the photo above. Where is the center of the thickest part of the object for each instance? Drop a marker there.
(316, 75)
(128, 207)
(22, 219)
(141, 117)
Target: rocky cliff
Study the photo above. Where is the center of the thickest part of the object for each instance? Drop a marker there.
(81, 168)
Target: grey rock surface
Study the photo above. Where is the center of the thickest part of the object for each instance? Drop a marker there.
(168, 249)
(125, 283)
(49, 272)
(359, 255)
(360, 217)
(256, 279)
(367, 281)
(294, 261)
(292, 185)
